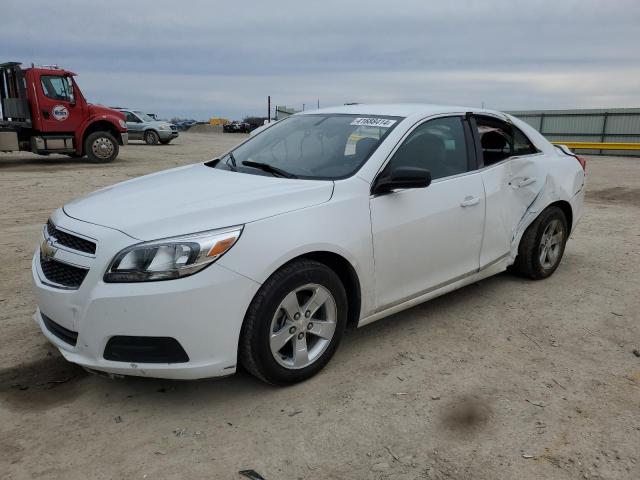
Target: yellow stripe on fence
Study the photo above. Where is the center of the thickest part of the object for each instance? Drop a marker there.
(599, 145)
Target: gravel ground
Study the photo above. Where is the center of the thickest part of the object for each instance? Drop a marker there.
(507, 378)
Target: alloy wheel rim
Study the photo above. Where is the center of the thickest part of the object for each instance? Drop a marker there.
(151, 138)
(551, 244)
(303, 326)
(102, 147)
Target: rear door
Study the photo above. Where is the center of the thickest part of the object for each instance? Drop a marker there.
(513, 173)
(58, 109)
(425, 238)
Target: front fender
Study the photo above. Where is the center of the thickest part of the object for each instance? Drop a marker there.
(340, 226)
(108, 121)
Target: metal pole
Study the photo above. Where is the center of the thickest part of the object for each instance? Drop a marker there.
(303, 107)
(318, 104)
(269, 109)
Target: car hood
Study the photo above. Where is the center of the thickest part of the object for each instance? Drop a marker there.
(192, 199)
(95, 109)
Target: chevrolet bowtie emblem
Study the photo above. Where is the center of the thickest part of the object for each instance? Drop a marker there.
(47, 250)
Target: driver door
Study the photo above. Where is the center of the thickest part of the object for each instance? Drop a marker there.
(58, 108)
(425, 238)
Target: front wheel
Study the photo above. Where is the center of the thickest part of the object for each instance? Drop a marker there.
(101, 147)
(294, 323)
(542, 245)
(151, 138)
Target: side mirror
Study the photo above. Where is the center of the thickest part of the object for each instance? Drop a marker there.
(402, 177)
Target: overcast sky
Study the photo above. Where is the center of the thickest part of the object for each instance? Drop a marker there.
(222, 58)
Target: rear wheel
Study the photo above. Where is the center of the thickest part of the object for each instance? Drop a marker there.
(542, 245)
(101, 147)
(151, 138)
(294, 323)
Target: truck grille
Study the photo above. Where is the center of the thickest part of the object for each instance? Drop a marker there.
(70, 241)
(61, 273)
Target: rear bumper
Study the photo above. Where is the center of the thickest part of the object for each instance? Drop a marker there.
(577, 207)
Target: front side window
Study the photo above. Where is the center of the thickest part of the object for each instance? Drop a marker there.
(438, 145)
(145, 117)
(501, 140)
(321, 146)
(57, 87)
(131, 118)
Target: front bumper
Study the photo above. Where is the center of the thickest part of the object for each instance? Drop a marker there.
(203, 313)
(168, 134)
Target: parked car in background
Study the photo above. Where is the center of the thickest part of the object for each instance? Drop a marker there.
(185, 124)
(237, 127)
(263, 256)
(143, 127)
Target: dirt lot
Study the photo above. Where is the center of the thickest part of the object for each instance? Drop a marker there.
(507, 378)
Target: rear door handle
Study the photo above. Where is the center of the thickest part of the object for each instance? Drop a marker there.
(470, 201)
(525, 181)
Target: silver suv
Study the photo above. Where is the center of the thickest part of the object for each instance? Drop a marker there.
(144, 127)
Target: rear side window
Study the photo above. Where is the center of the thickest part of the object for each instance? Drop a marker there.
(438, 145)
(57, 87)
(501, 140)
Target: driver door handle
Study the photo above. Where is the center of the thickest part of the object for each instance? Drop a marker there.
(470, 201)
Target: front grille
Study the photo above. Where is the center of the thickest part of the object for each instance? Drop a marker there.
(62, 273)
(71, 241)
(66, 335)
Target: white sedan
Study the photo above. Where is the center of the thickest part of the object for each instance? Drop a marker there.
(327, 219)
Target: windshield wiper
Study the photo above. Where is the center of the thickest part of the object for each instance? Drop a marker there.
(265, 167)
(233, 161)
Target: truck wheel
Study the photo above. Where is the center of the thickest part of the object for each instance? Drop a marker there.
(101, 147)
(151, 138)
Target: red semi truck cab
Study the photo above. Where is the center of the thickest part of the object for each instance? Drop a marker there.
(42, 110)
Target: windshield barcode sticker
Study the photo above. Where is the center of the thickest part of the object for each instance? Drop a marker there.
(373, 122)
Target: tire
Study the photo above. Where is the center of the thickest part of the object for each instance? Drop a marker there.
(165, 142)
(267, 323)
(549, 231)
(101, 147)
(151, 137)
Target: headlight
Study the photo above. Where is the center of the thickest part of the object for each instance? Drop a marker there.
(171, 258)
(122, 123)
(164, 126)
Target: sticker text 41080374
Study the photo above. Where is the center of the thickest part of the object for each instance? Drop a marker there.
(373, 122)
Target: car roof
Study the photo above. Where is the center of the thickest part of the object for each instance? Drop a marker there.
(399, 109)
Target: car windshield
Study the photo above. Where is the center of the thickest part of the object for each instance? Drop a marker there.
(144, 117)
(318, 146)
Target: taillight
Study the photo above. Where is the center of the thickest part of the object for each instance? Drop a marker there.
(583, 162)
